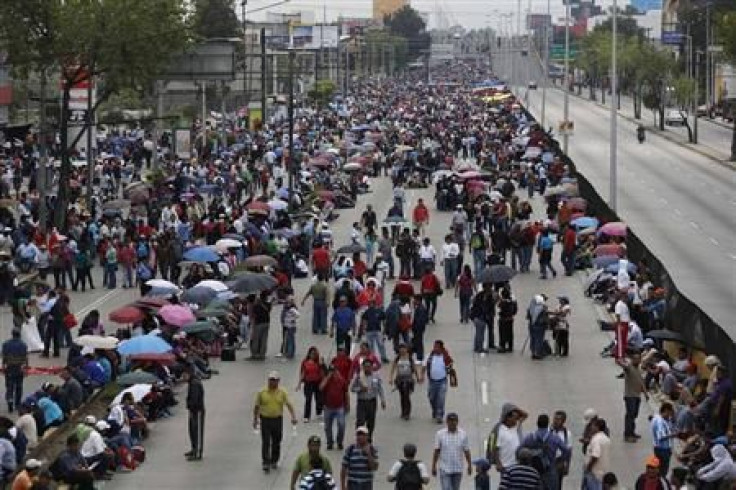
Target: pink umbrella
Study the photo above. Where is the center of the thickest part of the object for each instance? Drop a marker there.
(609, 249)
(470, 174)
(614, 228)
(176, 315)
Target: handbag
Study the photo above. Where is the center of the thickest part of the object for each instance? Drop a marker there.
(452, 374)
(70, 321)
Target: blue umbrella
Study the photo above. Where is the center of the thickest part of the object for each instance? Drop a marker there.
(605, 261)
(585, 222)
(613, 268)
(144, 344)
(201, 254)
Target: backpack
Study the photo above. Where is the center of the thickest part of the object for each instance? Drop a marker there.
(142, 250)
(409, 477)
(144, 272)
(476, 241)
(540, 454)
(320, 481)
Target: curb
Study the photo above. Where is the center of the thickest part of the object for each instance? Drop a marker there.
(662, 134)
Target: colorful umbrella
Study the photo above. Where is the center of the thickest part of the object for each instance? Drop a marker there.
(176, 315)
(260, 261)
(198, 295)
(144, 344)
(614, 228)
(201, 254)
(165, 358)
(162, 284)
(136, 377)
(585, 222)
(224, 244)
(612, 249)
(217, 286)
(126, 314)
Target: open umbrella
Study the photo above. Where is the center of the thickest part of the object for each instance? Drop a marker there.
(213, 312)
(614, 228)
(201, 254)
(198, 295)
(352, 167)
(224, 244)
(260, 261)
(586, 231)
(151, 303)
(249, 282)
(166, 358)
(664, 334)
(126, 314)
(217, 286)
(585, 222)
(97, 342)
(605, 261)
(162, 284)
(176, 315)
(137, 377)
(496, 274)
(138, 391)
(198, 327)
(144, 344)
(351, 249)
(611, 249)
(278, 204)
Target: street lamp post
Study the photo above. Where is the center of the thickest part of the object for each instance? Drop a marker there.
(613, 180)
(290, 161)
(545, 73)
(566, 79)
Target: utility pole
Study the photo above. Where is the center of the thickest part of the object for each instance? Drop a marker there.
(160, 87)
(566, 80)
(614, 113)
(264, 107)
(696, 97)
(290, 160)
(545, 45)
(42, 160)
(338, 80)
(90, 127)
(708, 61)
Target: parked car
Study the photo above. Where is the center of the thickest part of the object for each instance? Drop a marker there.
(675, 117)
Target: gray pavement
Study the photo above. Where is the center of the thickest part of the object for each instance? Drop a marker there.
(232, 449)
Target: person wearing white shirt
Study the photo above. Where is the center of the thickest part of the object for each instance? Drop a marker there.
(94, 449)
(410, 452)
(597, 455)
(427, 255)
(450, 253)
(450, 446)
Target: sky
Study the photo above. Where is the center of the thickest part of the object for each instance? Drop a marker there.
(467, 13)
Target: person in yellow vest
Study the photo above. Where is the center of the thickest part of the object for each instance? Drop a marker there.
(268, 413)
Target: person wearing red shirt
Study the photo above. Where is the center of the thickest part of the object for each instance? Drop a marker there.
(364, 354)
(143, 229)
(569, 243)
(404, 287)
(420, 216)
(359, 267)
(321, 261)
(334, 389)
(126, 258)
(431, 288)
(310, 377)
(342, 363)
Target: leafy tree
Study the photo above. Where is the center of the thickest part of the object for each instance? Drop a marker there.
(118, 43)
(626, 25)
(215, 18)
(322, 92)
(684, 91)
(407, 23)
(726, 36)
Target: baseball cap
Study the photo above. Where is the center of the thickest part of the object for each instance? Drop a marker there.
(712, 361)
(102, 425)
(482, 464)
(314, 440)
(589, 414)
(362, 430)
(90, 420)
(652, 462)
(451, 416)
(274, 375)
(33, 464)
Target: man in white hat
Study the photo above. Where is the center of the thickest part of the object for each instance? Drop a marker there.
(24, 480)
(268, 413)
(94, 450)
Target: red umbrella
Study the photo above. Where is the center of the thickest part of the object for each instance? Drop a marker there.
(361, 160)
(126, 314)
(470, 174)
(614, 228)
(319, 163)
(152, 302)
(328, 195)
(165, 358)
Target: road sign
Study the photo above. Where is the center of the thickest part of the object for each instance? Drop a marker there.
(566, 128)
(557, 52)
(715, 48)
(672, 38)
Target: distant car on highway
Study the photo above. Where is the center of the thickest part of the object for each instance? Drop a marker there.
(532, 85)
(674, 117)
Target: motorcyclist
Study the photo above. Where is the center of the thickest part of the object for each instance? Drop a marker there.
(640, 133)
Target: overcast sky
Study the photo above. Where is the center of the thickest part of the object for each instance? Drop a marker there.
(468, 13)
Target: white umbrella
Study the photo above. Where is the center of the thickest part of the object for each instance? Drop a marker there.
(277, 204)
(217, 286)
(334, 151)
(138, 391)
(224, 244)
(161, 284)
(352, 167)
(97, 341)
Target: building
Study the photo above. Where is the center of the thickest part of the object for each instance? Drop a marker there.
(6, 90)
(382, 8)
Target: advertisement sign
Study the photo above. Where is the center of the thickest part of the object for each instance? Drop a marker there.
(183, 143)
(673, 38)
(643, 6)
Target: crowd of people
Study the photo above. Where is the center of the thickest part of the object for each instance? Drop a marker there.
(214, 244)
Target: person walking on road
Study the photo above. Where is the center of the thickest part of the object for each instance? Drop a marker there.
(505, 437)
(464, 290)
(430, 289)
(343, 326)
(195, 405)
(259, 332)
(311, 374)
(359, 463)
(545, 245)
(562, 460)
(597, 456)
(419, 320)
(15, 362)
(268, 415)
(633, 389)
(545, 445)
(403, 375)
(369, 389)
(449, 259)
(408, 473)
(371, 324)
(334, 388)
(420, 217)
(320, 293)
(451, 445)
(507, 309)
(662, 434)
(538, 318)
(310, 460)
(438, 367)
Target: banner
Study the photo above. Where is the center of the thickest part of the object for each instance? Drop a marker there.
(183, 143)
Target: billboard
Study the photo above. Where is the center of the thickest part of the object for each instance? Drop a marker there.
(305, 37)
(643, 6)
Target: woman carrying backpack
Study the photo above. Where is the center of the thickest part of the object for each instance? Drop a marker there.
(403, 375)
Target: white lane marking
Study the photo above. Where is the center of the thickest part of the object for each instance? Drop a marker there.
(694, 225)
(484, 392)
(92, 305)
(713, 241)
(678, 212)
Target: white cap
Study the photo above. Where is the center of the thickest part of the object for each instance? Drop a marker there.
(589, 414)
(33, 464)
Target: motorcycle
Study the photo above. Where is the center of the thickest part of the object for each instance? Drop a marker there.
(641, 134)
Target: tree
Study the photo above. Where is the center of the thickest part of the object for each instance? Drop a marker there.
(407, 23)
(322, 92)
(116, 43)
(726, 35)
(215, 18)
(683, 93)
